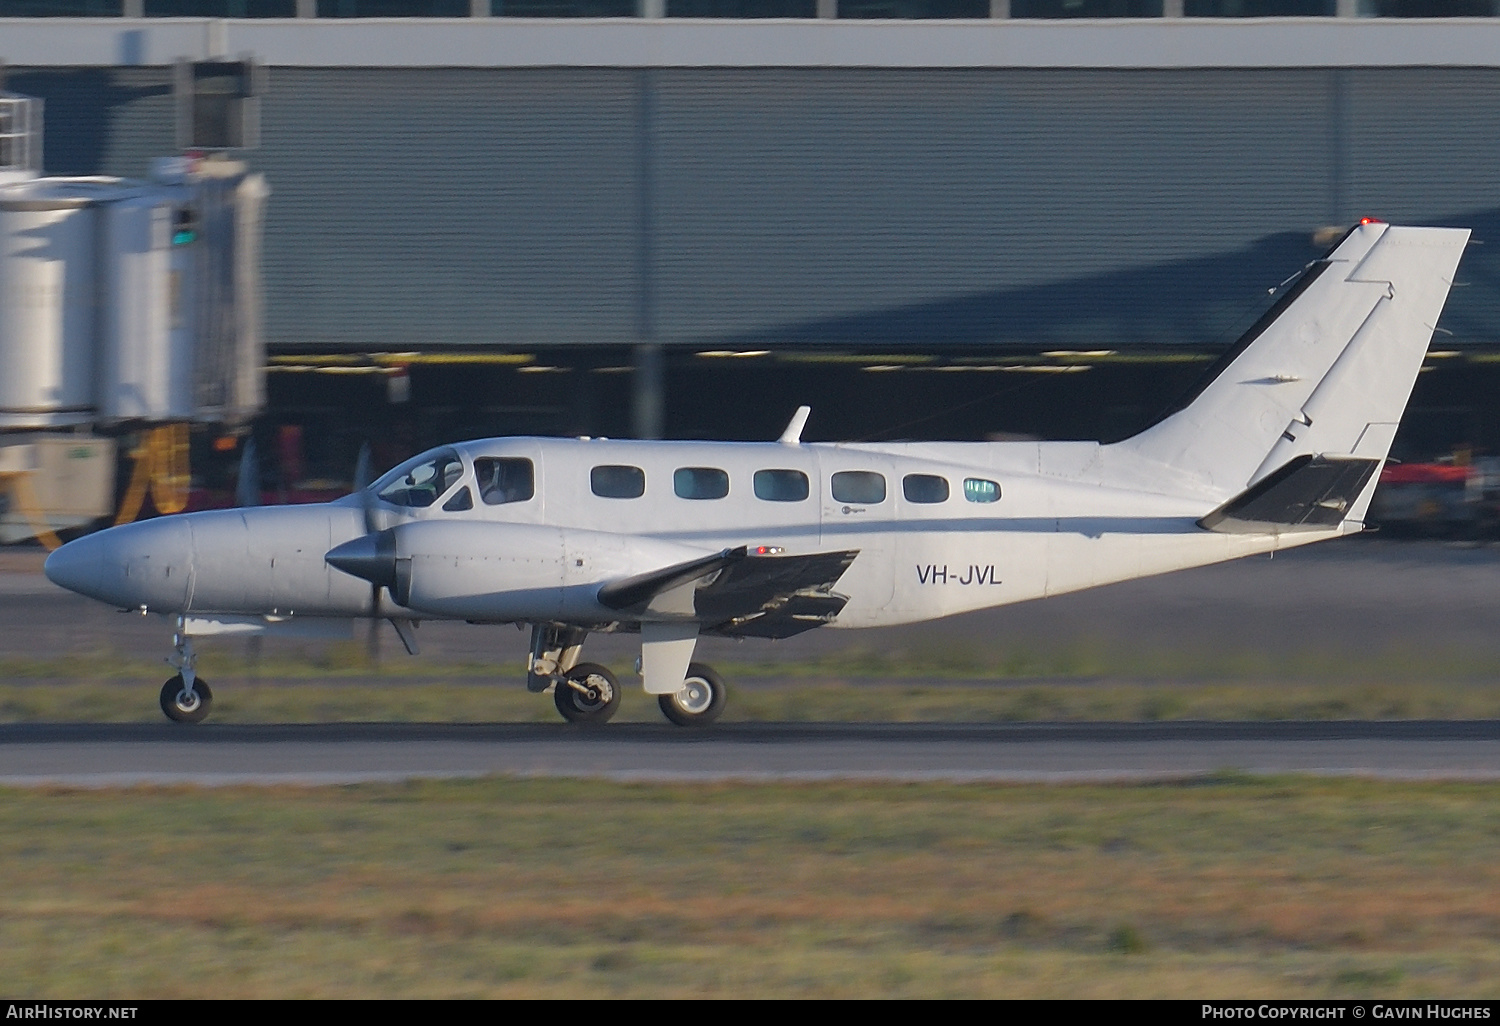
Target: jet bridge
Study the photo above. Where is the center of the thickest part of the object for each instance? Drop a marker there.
(129, 310)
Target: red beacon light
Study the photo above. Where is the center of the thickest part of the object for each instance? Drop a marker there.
(1370, 220)
(769, 550)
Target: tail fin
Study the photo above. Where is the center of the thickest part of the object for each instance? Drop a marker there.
(1325, 374)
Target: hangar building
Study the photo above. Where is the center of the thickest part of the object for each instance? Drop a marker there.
(1008, 222)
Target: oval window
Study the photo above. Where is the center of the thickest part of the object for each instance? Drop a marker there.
(781, 485)
(864, 486)
(924, 488)
(977, 489)
(700, 483)
(618, 482)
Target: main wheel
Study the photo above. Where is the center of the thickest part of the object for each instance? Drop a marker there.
(183, 704)
(596, 698)
(699, 702)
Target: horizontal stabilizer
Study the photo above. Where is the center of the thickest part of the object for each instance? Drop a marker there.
(1309, 492)
(636, 592)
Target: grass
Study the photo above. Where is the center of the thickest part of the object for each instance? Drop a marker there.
(1225, 886)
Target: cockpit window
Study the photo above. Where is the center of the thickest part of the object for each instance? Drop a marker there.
(461, 501)
(418, 483)
(502, 480)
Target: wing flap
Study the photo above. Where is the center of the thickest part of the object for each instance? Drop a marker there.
(735, 593)
(774, 596)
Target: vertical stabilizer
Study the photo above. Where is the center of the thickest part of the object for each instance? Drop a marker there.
(1326, 373)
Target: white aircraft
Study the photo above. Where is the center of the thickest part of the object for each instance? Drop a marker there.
(1281, 445)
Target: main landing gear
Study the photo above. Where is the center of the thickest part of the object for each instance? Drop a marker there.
(699, 702)
(590, 693)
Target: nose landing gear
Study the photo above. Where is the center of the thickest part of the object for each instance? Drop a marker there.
(185, 698)
(184, 702)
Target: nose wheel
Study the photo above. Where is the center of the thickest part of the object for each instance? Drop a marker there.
(700, 701)
(588, 694)
(184, 703)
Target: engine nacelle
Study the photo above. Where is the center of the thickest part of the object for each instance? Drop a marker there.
(503, 572)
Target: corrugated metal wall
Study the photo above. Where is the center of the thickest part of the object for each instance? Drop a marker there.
(516, 206)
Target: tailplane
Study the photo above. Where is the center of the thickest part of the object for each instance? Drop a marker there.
(1302, 410)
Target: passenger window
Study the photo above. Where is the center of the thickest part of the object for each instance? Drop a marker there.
(503, 480)
(864, 486)
(418, 486)
(616, 482)
(700, 483)
(924, 488)
(461, 500)
(781, 485)
(977, 489)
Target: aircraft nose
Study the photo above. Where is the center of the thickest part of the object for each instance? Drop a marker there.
(145, 564)
(78, 566)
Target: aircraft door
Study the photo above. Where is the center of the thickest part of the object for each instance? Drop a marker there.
(857, 505)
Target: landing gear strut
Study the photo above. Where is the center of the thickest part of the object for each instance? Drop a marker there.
(700, 701)
(185, 698)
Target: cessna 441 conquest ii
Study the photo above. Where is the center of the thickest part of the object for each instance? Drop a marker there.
(1281, 445)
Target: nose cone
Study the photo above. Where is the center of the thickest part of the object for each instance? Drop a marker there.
(145, 564)
(371, 557)
(78, 566)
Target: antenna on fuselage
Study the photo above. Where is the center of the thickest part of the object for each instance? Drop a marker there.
(793, 433)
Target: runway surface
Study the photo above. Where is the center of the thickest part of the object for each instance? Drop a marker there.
(90, 755)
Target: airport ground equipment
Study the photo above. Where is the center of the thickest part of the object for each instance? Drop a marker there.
(128, 310)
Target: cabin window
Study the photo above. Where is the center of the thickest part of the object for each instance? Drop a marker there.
(924, 488)
(418, 484)
(617, 482)
(502, 480)
(700, 483)
(977, 489)
(781, 485)
(863, 486)
(462, 500)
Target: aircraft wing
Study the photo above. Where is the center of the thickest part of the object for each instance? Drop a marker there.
(734, 593)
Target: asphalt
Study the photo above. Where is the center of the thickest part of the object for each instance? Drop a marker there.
(93, 755)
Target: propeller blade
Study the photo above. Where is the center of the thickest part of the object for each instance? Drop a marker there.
(362, 472)
(247, 488)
